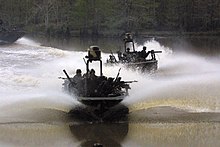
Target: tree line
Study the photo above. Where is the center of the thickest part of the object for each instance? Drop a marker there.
(111, 17)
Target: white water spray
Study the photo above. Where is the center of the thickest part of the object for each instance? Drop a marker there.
(29, 79)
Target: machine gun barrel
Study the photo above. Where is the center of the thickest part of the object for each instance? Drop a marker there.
(62, 78)
(67, 75)
(157, 51)
(117, 75)
(129, 81)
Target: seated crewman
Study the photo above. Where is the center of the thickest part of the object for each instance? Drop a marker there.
(143, 53)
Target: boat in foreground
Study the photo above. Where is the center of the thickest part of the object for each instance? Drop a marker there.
(99, 92)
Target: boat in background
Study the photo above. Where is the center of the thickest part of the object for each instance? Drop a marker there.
(9, 35)
(141, 60)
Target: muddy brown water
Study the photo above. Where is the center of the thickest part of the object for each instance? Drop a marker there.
(178, 105)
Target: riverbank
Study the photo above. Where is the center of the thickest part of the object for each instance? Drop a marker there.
(207, 43)
(66, 33)
(178, 34)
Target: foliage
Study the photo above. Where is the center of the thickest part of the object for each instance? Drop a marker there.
(95, 17)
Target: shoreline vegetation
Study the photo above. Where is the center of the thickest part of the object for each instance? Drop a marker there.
(207, 42)
(120, 34)
(99, 18)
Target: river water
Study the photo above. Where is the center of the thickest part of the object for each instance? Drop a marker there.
(178, 105)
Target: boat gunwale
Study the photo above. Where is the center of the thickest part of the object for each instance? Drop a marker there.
(112, 98)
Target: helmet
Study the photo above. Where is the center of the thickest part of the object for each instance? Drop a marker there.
(92, 71)
(78, 71)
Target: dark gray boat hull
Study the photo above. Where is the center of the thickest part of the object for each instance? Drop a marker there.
(146, 66)
(10, 37)
(103, 102)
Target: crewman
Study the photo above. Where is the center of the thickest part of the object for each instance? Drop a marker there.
(92, 74)
(92, 83)
(120, 58)
(112, 59)
(78, 81)
(128, 50)
(78, 76)
(106, 87)
(127, 55)
(143, 53)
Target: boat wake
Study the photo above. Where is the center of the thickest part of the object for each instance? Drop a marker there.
(169, 114)
(185, 87)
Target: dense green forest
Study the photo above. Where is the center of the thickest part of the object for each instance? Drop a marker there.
(111, 17)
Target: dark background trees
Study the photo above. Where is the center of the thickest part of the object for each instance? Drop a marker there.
(98, 17)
